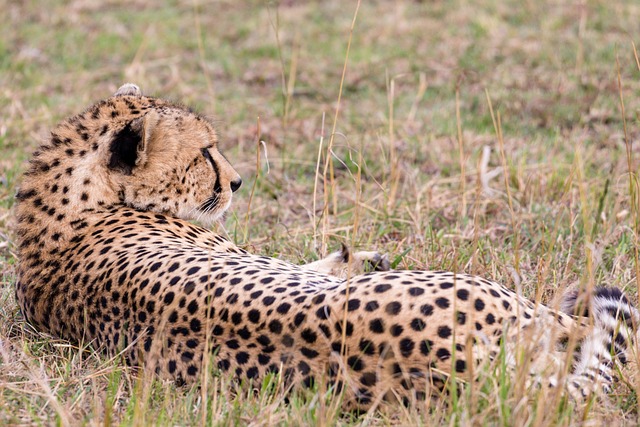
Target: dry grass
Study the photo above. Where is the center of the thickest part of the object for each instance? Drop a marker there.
(485, 137)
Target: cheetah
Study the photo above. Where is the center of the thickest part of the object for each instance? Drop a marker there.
(107, 255)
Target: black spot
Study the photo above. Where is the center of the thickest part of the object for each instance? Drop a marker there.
(173, 317)
(325, 330)
(264, 359)
(189, 287)
(348, 329)
(446, 285)
(266, 280)
(418, 324)
(371, 306)
(406, 346)
(253, 316)
(275, 326)
(323, 312)
(462, 317)
(442, 302)
(263, 340)
(242, 357)
(268, 300)
(223, 365)
(308, 382)
(252, 373)
(426, 309)
(479, 304)
(463, 294)
(287, 340)
(416, 292)
(368, 379)
(355, 363)
(303, 367)
(425, 347)
(461, 366)
(236, 318)
(244, 333)
(353, 304)
(297, 321)
(379, 289)
(393, 308)
(283, 308)
(367, 347)
(443, 354)
(155, 288)
(168, 298)
(444, 332)
(195, 325)
(308, 352)
(192, 307)
(376, 326)
(309, 336)
(396, 330)
(193, 270)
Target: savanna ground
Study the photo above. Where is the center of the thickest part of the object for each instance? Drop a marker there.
(481, 136)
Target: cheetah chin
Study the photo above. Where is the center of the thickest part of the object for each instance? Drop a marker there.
(106, 254)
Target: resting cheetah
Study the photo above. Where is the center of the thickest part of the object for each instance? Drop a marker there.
(106, 255)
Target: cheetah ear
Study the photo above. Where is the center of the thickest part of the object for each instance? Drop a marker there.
(129, 147)
(128, 89)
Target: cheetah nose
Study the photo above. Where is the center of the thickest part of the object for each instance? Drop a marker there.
(235, 184)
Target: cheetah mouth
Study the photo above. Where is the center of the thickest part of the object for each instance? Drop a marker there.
(210, 204)
(213, 207)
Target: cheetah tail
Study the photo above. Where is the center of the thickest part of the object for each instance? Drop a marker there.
(614, 333)
(609, 306)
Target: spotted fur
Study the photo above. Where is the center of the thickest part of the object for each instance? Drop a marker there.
(107, 255)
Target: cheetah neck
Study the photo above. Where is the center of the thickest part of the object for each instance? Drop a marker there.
(59, 199)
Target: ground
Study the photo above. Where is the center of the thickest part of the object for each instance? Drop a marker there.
(485, 137)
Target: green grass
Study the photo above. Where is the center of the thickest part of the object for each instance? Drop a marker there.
(401, 186)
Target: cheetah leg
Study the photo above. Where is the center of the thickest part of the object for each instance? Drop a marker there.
(346, 264)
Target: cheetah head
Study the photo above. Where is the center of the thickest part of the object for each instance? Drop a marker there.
(166, 160)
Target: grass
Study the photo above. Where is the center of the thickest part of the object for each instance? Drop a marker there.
(552, 205)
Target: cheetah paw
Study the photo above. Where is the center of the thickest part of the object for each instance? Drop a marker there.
(344, 263)
(370, 260)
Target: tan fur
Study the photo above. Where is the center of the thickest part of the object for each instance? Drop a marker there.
(107, 256)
